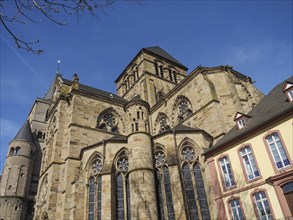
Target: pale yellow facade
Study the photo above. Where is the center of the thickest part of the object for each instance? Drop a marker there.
(243, 189)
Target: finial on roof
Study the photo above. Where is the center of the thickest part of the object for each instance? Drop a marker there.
(58, 66)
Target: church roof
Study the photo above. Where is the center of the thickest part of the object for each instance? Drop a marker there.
(95, 91)
(271, 107)
(25, 133)
(162, 53)
(51, 90)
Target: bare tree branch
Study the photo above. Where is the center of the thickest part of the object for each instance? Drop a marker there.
(49, 9)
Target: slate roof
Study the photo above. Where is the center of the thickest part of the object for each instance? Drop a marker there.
(118, 138)
(95, 91)
(273, 105)
(51, 90)
(181, 127)
(25, 133)
(162, 53)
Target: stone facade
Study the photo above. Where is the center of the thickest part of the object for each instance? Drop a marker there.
(134, 155)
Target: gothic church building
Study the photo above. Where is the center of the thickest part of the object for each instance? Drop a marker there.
(84, 153)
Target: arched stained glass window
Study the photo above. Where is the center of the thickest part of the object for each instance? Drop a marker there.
(201, 193)
(164, 186)
(122, 190)
(189, 192)
(91, 205)
(160, 196)
(95, 191)
(99, 199)
(128, 198)
(168, 191)
(119, 197)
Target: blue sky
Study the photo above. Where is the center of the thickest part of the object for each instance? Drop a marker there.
(255, 37)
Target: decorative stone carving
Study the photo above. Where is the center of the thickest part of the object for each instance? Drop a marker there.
(160, 159)
(123, 165)
(188, 154)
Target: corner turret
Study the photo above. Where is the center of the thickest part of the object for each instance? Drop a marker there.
(138, 113)
(15, 183)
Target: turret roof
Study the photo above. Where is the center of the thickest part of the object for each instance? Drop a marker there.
(25, 133)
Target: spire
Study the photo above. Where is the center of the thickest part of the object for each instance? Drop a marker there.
(25, 133)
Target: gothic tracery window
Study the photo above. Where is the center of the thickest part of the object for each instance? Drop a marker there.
(164, 186)
(191, 174)
(108, 121)
(95, 191)
(122, 189)
(163, 123)
(184, 109)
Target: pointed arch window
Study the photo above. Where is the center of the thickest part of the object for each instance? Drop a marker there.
(163, 123)
(164, 187)
(184, 109)
(95, 191)
(194, 185)
(122, 186)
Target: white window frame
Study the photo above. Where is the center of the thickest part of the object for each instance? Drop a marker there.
(241, 122)
(224, 162)
(262, 202)
(290, 95)
(274, 142)
(237, 208)
(250, 159)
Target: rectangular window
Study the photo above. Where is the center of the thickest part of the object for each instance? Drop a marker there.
(263, 207)
(249, 163)
(236, 210)
(277, 150)
(241, 123)
(227, 172)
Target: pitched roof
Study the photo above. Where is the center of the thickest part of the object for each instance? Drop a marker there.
(25, 133)
(272, 106)
(51, 90)
(162, 53)
(95, 91)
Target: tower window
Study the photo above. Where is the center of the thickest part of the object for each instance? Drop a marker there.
(136, 126)
(170, 75)
(175, 76)
(17, 149)
(9, 187)
(138, 115)
(162, 71)
(11, 152)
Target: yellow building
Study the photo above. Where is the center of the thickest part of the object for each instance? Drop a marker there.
(251, 166)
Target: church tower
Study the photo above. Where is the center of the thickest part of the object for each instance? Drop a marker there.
(15, 183)
(141, 166)
(151, 74)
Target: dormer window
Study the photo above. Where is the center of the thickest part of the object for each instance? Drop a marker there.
(288, 90)
(241, 120)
